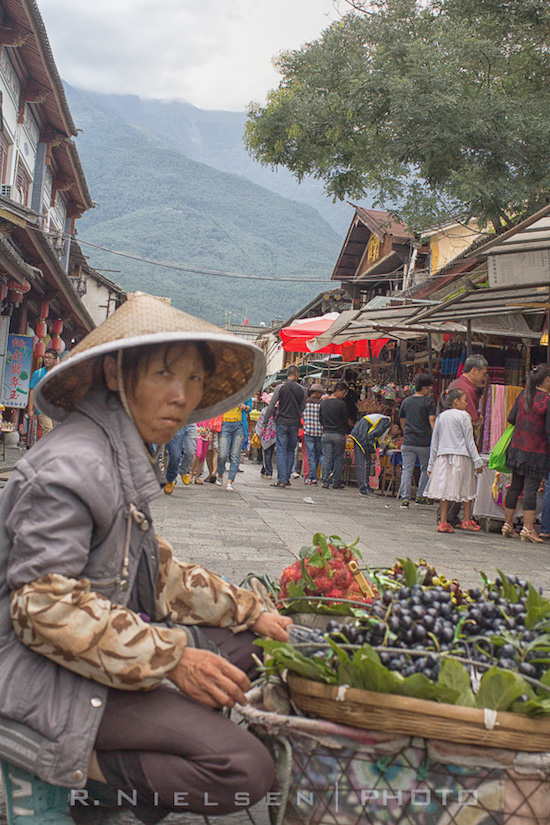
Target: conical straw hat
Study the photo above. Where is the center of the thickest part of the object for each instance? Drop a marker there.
(141, 321)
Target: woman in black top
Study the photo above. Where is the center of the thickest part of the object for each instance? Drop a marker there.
(333, 415)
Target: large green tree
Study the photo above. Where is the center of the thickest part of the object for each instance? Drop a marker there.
(438, 109)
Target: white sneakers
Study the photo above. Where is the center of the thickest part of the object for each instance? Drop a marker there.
(229, 487)
(219, 481)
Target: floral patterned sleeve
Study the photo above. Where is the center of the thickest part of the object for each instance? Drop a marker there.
(190, 594)
(63, 619)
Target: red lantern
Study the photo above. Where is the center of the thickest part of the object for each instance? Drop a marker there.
(41, 329)
(44, 310)
(40, 349)
(56, 343)
(15, 296)
(17, 287)
(57, 326)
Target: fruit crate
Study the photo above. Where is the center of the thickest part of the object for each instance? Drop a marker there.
(419, 717)
(333, 774)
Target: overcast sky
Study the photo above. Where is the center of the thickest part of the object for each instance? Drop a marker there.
(215, 54)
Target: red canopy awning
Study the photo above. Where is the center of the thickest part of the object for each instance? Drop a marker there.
(295, 336)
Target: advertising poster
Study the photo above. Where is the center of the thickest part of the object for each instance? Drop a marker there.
(17, 371)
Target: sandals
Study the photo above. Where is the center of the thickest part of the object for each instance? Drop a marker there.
(530, 535)
(471, 525)
(508, 532)
(445, 527)
(199, 481)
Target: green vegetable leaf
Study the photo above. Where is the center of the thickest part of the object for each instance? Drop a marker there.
(316, 560)
(499, 689)
(294, 590)
(287, 657)
(538, 607)
(545, 680)
(306, 551)
(417, 686)
(411, 572)
(454, 675)
(320, 540)
(508, 589)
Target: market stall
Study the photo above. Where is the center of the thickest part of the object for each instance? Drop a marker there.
(403, 698)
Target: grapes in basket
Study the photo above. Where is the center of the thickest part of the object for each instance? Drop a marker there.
(483, 647)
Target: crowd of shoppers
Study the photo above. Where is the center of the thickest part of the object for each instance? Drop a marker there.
(440, 443)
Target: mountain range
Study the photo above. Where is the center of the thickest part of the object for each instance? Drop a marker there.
(173, 183)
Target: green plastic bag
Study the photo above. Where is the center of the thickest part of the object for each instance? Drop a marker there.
(497, 460)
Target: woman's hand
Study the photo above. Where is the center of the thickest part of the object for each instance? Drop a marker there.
(210, 679)
(272, 625)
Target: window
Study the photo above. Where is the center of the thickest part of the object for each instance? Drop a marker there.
(23, 185)
(4, 152)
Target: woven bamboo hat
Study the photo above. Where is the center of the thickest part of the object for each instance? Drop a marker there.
(141, 321)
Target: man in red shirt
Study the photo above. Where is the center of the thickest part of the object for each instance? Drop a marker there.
(472, 381)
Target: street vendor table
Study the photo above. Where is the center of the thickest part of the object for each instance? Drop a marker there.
(487, 511)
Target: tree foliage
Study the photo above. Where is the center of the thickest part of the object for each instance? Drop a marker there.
(439, 108)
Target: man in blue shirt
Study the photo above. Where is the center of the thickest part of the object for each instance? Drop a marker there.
(50, 360)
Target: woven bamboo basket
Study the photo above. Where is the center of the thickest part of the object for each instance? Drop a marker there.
(419, 717)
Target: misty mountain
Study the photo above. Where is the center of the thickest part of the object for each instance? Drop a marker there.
(156, 202)
(216, 138)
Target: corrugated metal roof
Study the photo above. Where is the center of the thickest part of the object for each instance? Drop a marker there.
(480, 303)
(528, 235)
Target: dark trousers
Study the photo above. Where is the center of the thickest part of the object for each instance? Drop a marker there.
(267, 469)
(287, 438)
(530, 484)
(314, 452)
(334, 447)
(194, 758)
(362, 467)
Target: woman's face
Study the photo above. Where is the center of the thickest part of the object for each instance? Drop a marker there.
(165, 393)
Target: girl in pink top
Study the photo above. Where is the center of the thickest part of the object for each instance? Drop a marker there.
(203, 442)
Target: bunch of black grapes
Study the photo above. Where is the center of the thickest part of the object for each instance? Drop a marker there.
(496, 616)
(417, 623)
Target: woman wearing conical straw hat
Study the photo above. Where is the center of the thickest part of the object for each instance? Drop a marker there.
(95, 613)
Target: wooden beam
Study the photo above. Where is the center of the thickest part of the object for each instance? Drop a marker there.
(13, 36)
(60, 185)
(31, 92)
(52, 137)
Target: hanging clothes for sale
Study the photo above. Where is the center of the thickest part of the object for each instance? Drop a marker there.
(498, 413)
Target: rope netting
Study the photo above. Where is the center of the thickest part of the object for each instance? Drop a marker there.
(329, 778)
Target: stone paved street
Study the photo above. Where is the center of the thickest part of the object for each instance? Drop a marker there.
(259, 528)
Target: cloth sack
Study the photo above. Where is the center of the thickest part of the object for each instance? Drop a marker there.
(497, 459)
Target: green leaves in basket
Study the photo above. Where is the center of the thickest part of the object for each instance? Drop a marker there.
(499, 689)
(508, 589)
(454, 680)
(538, 607)
(286, 657)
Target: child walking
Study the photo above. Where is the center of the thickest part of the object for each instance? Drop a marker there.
(203, 443)
(453, 459)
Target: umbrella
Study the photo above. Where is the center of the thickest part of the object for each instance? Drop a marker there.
(299, 334)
